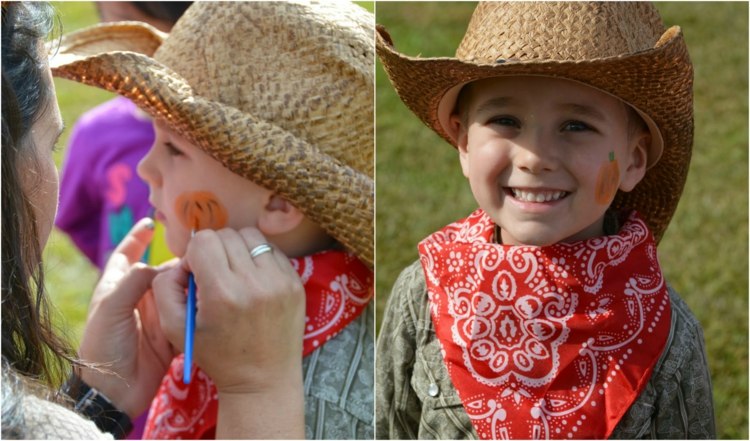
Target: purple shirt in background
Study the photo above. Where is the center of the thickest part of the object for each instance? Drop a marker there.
(101, 195)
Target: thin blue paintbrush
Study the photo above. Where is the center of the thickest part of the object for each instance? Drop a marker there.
(189, 326)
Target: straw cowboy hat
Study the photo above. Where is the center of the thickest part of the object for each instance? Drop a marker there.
(281, 93)
(620, 48)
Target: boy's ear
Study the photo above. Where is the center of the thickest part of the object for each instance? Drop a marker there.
(636, 164)
(279, 216)
(462, 140)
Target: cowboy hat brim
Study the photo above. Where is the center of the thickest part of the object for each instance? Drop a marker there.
(335, 196)
(657, 82)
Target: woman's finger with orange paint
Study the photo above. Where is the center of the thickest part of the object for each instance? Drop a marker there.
(131, 248)
(124, 263)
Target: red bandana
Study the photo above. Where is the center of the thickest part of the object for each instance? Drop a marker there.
(546, 342)
(338, 287)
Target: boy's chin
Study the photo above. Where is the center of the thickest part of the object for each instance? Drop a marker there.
(545, 235)
(531, 235)
(177, 245)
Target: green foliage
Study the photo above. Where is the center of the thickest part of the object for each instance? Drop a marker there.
(704, 253)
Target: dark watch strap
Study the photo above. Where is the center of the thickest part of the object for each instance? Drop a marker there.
(98, 408)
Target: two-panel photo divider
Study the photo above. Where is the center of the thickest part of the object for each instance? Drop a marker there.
(375, 220)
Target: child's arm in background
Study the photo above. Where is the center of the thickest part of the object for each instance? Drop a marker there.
(397, 407)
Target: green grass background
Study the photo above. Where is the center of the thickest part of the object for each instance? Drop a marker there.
(420, 187)
(704, 253)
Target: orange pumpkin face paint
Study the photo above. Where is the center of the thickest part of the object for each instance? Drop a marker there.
(607, 181)
(200, 210)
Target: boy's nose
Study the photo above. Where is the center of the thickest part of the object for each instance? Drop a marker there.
(535, 154)
(147, 169)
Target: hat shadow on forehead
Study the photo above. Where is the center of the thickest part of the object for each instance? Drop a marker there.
(619, 48)
(280, 93)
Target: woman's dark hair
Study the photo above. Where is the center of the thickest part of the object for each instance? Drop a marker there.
(30, 346)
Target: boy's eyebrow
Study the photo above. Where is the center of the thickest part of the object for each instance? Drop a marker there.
(575, 108)
(493, 103)
(584, 110)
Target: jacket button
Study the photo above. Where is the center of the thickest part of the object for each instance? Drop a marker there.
(433, 390)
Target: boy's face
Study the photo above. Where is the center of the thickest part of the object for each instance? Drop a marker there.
(189, 188)
(545, 157)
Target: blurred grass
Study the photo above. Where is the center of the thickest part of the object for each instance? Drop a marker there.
(704, 253)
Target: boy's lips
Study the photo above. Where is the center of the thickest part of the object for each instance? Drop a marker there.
(160, 216)
(536, 195)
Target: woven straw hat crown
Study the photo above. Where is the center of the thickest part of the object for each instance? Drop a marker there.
(619, 48)
(560, 31)
(281, 93)
(304, 67)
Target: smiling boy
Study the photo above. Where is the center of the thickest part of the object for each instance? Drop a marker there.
(545, 314)
(528, 146)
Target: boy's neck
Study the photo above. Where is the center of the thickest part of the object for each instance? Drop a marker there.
(610, 225)
(306, 239)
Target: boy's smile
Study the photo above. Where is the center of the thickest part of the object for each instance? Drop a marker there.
(545, 157)
(537, 195)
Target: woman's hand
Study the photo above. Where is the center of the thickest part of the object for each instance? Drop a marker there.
(249, 330)
(123, 335)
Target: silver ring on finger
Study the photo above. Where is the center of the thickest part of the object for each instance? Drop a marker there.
(260, 249)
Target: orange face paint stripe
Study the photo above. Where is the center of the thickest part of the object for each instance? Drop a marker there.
(607, 181)
(200, 210)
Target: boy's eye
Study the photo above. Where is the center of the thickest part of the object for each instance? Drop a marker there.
(576, 126)
(507, 121)
(173, 151)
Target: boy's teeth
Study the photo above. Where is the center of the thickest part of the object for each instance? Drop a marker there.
(540, 196)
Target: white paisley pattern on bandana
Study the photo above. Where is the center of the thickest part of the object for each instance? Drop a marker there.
(546, 342)
(338, 287)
